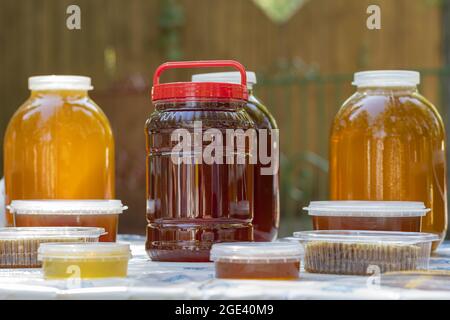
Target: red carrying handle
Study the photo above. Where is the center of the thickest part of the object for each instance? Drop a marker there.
(201, 64)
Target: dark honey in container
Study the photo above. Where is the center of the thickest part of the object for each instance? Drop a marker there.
(266, 216)
(191, 201)
(388, 143)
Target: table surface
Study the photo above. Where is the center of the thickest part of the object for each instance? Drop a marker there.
(157, 280)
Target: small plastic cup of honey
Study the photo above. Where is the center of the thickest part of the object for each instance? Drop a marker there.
(19, 246)
(80, 213)
(403, 216)
(257, 260)
(84, 260)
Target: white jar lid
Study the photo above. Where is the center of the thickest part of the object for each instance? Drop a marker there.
(54, 82)
(69, 207)
(93, 250)
(255, 251)
(367, 208)
(227, 77)
(387, 78)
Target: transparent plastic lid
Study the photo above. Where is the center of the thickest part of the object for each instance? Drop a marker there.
(83, 250)
(367, 208)
(386, 78)
(55, 82)
(357, 236)
(76, 207)
(227, 77)
(50, 232)
(255, 251)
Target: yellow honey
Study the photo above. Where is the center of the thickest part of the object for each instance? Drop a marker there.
(84, 261)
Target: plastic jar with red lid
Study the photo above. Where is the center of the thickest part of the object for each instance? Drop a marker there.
(199, 181)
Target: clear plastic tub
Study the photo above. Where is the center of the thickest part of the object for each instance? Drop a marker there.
(84, 260)
(364, 252)
(367, 215)
(19, 246)
(82, 213)
(257, 260)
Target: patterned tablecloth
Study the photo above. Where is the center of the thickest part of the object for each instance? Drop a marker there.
(156, 280)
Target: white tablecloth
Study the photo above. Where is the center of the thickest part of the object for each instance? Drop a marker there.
(157, 280)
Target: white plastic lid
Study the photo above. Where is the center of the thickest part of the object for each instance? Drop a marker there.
(367, 209)
(255, 251)
(50, 233)
(227, 77)
(357, 236)
(386, 78)
(69, 207)
(54, 82)
(93, 250)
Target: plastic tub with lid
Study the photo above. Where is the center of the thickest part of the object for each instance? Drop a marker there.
(19, 246)
(266, 216)
(257, 260)
(84, 260)
(354, 252)
(367, 215)
(83, 213)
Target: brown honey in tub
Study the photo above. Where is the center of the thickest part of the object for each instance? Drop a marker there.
(257, 260)
(191, 203)
(58, 144)
(59, 213)
(388, 143)
(367, 215)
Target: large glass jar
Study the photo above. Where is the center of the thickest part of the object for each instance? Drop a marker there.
(388, 143)
(266, 216)
(58, 144)
(193, 202)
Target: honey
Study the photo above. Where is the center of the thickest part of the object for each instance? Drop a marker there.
(84, 261)
(58, 145)
(82, 213)
(388, 143)
(257, 260)
(266, 217)
(19, 246)
(193, 204)
(364, 252)
(367, 215)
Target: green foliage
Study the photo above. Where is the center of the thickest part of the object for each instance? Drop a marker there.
(171, 20)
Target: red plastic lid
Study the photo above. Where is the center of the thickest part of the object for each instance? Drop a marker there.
(185, 90)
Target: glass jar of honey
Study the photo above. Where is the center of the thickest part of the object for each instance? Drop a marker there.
(58, 144)
(199, 176)
(388, 144)
(266, 216)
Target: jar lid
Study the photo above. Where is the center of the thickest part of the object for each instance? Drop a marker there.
(358, 236)
(74, 207)
(387, 78)
(93, 250)
(54, 82)
(367, 208)
(50, 233)
(193, 90)
(228, 77)
(255, 251)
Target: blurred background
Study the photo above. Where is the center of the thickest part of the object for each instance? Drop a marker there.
(303, 51)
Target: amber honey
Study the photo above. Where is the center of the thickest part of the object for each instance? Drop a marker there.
(257, 260)
(250, 270)
(388, 143)
(59, 145)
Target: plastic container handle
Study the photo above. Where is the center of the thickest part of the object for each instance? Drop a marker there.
(201, 64)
